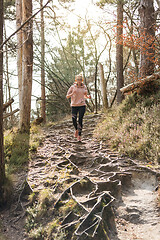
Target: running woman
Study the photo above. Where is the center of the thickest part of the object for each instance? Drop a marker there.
(78, 93)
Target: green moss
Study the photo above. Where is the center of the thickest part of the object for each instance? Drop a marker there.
(71, 205)
(32, 197)
(67, 207)
(32, 213)
(18, 146)
(37, 233)
(52, 227)
(45, 197)
(83, 182)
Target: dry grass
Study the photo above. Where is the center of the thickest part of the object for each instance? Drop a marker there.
(159, 197)
(133, 128)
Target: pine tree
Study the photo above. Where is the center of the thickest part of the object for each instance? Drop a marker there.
(147, 36)
(27, 66)
(119, 50)
(2, 164)
(43, 98)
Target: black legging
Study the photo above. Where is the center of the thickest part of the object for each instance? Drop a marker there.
(81, 110)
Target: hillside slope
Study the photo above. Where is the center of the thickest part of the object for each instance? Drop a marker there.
(73, 190)
(133, 128)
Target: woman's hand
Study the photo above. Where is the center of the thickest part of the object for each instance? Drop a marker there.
(87, 96)
(72, 93)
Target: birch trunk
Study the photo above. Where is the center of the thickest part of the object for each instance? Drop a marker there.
(2, 164)
(27, 65)
(43, 98)
(119, 50)
(103, 87)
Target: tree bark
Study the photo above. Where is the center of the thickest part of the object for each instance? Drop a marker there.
(7, 104)
(8, 88)
(19, 51)
(119, 50)
(28, 20)
(2, 163)
(95, 85)
(27, 66)
(147, 38)
(158, 3)
(103, 87)
(43, 98)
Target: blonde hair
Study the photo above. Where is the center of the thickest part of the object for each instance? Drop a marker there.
(79, 77)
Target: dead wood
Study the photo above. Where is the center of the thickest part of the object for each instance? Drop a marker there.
(6, 115)
(7, 104)
(140, 83)
(115, 95)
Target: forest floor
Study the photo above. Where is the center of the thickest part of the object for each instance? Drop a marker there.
(115, 194)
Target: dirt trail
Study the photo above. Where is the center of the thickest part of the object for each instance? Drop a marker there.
(138, 217)
(115, 194)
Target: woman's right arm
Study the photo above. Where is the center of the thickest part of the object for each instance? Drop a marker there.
(69, 95)
(70, 92)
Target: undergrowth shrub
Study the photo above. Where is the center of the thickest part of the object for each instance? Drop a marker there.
(158, 198)
(133, 128)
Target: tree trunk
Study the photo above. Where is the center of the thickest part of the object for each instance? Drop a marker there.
(7, 75)
(19, 52)
(95, 85)
(147, 38)
(103, 87)
(43, 98)
(27, 66)
(119, 50)
(7, 104)
(2, 164)
(158, 2)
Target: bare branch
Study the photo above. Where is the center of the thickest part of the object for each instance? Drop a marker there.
(6, 105)
(30, 18)
(10, 114)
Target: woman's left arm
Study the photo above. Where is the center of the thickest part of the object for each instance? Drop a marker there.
(87, 96)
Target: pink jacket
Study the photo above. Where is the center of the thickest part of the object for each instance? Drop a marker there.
(77, 99)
